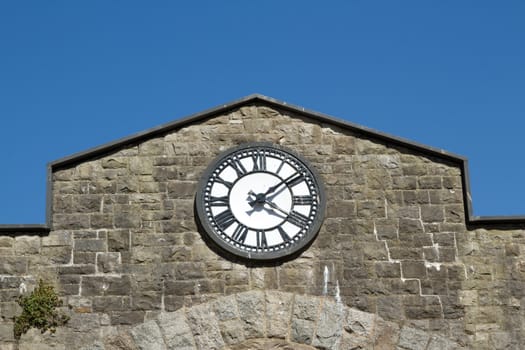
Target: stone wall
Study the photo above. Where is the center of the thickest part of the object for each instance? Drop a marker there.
(125, 249)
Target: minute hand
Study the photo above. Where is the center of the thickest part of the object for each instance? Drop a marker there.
(290, 181)
(275, 206)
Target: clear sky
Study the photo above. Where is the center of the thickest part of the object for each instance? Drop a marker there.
(78, 74)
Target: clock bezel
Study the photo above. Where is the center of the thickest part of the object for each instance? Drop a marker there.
(293, 248)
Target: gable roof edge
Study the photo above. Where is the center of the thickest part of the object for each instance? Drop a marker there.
(462, 162)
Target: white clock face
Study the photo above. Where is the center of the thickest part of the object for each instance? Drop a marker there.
(259, 201)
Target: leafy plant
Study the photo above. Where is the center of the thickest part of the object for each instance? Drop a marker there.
(39, 311)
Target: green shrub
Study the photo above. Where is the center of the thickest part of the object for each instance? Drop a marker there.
(39, 311)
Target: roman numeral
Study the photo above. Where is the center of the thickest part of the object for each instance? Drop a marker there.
(303, 200)
(297, 219)
(280, 167)
(283, 234)
(238, 167)
(219, 201)
(259, 160)
(240, 233)
(294, 179)
(224, 182)
(261, 239)
(224, 219)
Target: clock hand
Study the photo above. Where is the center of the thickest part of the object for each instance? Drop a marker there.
(275, 206)
(290, 180)
(273, 188)
(252, 201)
(276, 193)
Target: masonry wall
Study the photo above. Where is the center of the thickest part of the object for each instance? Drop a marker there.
(124, 245)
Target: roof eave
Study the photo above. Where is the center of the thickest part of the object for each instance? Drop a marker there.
(462, 162)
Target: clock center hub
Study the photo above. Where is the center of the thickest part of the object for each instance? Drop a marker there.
(252, 207)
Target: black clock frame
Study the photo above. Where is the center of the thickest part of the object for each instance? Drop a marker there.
(295, 247)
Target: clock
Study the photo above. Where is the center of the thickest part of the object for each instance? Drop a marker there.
(260, 201)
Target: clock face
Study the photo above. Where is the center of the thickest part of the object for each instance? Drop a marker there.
(260, 201)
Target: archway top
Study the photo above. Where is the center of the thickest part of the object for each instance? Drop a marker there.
(254, 319)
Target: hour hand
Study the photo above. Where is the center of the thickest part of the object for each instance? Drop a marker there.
(260, 198)
(251, 201)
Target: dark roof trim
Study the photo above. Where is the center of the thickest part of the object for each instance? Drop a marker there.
(482, 221)
(24, 229)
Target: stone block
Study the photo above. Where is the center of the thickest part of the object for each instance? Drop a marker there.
(205, 328)
(176, 330)
(57, 254)
(305, 307)
(173, 302)
(302, 331)
(6, 332)
(359, 322)
(413, 339)
(406, 253)
(454, 214)
(430, 182)
(388, 269)
(146, 301)
(344, 209)
(6, 242)
(108, 262)
(252, 313)
(390, 307)
(27, 245)
(416, 169)
(141, 165)
(83, 322)
(126, 317)
(181, 287)
(182, 189)
(423, 312)
(440, 343)
(127, 219)
(369, 209)
(98, 285)
(87, 203)
(84, 258)
(403, 287)
(111, 303)
(278, 313)
(432, 213)
(184, 209)
(375, 251)
(386, 335)
(330, 325)
(114, 162)
(148, 336)
(13, 265)
(232, 331)
(70, 221)
(209, 286)
(404, 182)
(225, 308)
(8, 310)
(189, 270)
(410, 226)
(414, 269)
(386, 231)
(77, 269)
(90, 245)
(95, 346)
(100, 221)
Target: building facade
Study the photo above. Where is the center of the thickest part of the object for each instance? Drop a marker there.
(394, 260)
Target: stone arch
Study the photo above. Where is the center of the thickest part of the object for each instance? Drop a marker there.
(270, 320)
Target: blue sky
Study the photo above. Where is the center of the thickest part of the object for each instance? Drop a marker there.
(78, 74)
